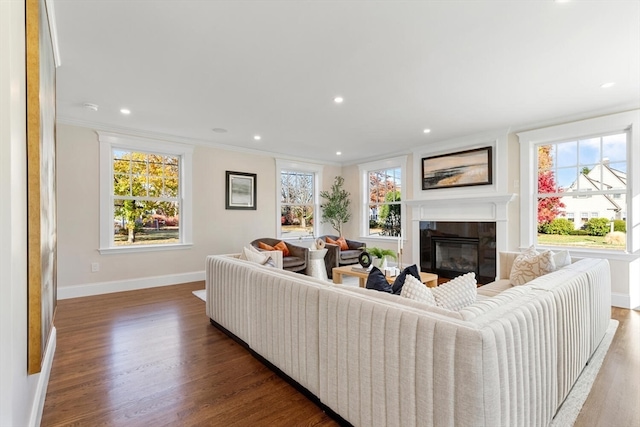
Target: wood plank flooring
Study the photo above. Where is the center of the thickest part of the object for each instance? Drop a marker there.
(151, 358)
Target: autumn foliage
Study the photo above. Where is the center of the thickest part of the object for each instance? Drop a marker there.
(548, 207)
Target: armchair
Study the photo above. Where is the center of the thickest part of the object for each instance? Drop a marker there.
(297, 259)
(336, 257)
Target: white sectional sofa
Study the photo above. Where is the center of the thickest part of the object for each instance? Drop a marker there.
(376, 359)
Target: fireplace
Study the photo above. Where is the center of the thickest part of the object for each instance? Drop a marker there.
(450, 249)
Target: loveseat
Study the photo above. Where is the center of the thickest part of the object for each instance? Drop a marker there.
(377, 359)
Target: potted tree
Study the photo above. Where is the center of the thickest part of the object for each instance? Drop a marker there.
(335, 210)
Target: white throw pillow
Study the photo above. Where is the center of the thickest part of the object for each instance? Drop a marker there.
(561, 259)
(257, 257)
(457, 293)
(531, 264)
(417, 291)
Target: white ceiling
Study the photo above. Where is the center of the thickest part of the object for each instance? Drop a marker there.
(273, 68)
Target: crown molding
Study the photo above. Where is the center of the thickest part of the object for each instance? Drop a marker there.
(97, 126)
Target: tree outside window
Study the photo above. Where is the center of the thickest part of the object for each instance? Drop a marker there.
(146, 198)
(296, 203)
(385, 195)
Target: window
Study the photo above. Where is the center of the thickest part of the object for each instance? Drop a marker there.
(382, 184)
(586, 168)
(580, 167)
(143, 194)
(298, 201)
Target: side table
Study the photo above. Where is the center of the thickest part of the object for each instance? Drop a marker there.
(316, 267)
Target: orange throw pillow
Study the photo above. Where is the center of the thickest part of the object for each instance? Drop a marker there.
(265, 246)
(281, 246)
(343, 244)
(331, 241)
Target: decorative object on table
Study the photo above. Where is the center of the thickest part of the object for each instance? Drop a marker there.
(241, 191)
(461, 169)
(336, 209)
(364, 259)
(381, 256)
(320, 244)
(337, 256)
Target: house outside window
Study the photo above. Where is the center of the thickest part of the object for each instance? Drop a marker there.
(299, 212)
(382, 192)
(581, 167)
(145, 201)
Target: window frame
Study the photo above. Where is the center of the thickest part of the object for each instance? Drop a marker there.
(283, 165)
(529, 141)
(364, 170)
(108, 142)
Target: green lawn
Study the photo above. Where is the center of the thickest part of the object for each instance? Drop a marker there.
(151, 236)
(587, 242)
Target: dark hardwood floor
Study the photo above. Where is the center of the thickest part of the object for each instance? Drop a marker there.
(151, 357)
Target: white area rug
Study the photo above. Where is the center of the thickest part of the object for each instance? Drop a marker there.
(572, 405)
(201, 293)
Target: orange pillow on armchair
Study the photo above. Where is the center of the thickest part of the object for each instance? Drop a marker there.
(265, 246)
(340, 242)
(282, 246)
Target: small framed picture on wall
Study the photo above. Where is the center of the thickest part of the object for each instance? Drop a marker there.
(240, 191)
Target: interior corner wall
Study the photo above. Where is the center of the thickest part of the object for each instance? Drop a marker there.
(215, 229)
(18, 391)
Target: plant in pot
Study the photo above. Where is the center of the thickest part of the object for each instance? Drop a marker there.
(335, 210)
(381, 256)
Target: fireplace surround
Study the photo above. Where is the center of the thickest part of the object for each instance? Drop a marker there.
(481, 215)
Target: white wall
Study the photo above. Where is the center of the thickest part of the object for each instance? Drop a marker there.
(21, 395)
(215, 229)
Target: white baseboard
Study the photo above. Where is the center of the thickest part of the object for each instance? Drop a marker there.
(620, 300)
(65, 292)
(43, 381)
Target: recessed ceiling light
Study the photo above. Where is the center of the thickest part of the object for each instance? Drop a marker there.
(89, 106)
(338, 100)
(607, 85)
(257, 137)
(125, 111)
(219, 130)
(427, 131)
(338, 153)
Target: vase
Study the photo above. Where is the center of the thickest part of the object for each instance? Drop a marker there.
(381, 263)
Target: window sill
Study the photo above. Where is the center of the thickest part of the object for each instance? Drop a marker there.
(592, 253)
(143, 248)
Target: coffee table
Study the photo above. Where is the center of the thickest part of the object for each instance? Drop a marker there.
(429, 279)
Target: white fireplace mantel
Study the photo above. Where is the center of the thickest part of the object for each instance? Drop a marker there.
(490, 207)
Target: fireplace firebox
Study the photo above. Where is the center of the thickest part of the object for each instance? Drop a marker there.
(450, 249)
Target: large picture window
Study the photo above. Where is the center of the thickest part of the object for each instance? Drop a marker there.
(145, 194)
(584, 179)
(578, 184)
